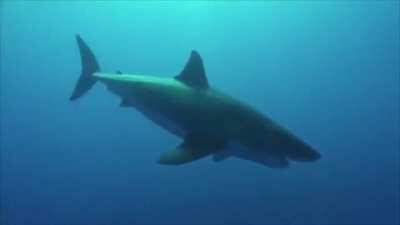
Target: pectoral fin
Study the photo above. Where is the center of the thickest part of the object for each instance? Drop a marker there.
(190, 150)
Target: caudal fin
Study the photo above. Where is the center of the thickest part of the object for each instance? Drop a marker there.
(89, 66)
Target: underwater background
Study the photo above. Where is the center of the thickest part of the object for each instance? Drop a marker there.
(326, 70)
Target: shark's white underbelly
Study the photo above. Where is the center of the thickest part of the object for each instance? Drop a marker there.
(236, 149)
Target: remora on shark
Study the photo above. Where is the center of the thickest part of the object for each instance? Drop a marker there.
(208, 121)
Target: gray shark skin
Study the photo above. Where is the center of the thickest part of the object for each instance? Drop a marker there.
(208, 121)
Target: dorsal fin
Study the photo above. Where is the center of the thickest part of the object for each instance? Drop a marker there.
(193, 74)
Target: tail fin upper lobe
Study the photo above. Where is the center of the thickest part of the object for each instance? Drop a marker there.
(89, 66)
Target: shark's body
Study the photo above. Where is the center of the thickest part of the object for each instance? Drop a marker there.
(208, 121)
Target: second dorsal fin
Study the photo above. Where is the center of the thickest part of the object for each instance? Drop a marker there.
(194, 74)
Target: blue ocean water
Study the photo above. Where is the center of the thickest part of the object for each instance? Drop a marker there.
(326, 70)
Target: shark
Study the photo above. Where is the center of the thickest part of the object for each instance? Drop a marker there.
(209, 122)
